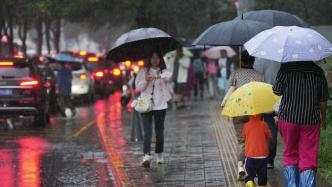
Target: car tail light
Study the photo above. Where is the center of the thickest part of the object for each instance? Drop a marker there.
(140, 63)
(136, 69)
(127, 63)
(83, 53)
(6, 63)
(83, 76)
(99, 74)
(18, 56)
(29, 83)
(47, 84)
(116, 72)
(110, 82)
(93, 59)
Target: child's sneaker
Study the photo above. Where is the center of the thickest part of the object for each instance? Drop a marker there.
(250, 184)
(160, 158)
(146, 161)
(241, 173)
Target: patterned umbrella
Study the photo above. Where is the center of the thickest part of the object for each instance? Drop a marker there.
(250, 99)
(289, 44)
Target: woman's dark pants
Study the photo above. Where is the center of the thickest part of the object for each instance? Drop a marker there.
(159, 118)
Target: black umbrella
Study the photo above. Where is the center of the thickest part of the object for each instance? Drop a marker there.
(274, 18)
(235, 32)
(139, 43)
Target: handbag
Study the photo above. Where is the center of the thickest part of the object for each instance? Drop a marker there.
(144, 104)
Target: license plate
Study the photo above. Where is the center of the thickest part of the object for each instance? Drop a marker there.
(6, 92)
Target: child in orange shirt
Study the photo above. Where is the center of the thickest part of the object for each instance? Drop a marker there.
(256, 134)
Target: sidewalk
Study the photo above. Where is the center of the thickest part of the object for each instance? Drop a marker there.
(199, 151)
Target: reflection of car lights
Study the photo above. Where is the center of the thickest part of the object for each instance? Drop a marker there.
(18, 56)
(83, 76)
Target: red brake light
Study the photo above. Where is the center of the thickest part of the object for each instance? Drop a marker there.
(29, 83)
(47, 84)
(99, 74)
(6, 63)
(116, 72)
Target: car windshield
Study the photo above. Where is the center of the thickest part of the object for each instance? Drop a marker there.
(14, 72)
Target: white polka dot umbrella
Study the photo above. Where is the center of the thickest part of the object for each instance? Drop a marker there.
(289, 44)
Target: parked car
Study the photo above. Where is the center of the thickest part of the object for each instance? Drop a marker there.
(22, 92)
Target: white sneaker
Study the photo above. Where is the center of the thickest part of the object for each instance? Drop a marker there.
(146, 161)
(241, 172)
(160, 158)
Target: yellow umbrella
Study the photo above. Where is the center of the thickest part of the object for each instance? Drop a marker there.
(250, 99)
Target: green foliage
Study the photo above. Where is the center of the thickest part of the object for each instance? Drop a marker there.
(325, 150)
(316, 12)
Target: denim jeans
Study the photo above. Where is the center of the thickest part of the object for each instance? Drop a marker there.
(159, 118)
(268, 118)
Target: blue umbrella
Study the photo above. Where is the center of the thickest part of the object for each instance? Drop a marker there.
(65, 58)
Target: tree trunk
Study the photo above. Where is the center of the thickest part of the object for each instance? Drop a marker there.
(57, 35)
(47, 35)
(11, 36)
(22, 33)
(39, 42)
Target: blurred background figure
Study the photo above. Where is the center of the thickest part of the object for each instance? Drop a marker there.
(64, 78)
(181, 72)
(199, 69)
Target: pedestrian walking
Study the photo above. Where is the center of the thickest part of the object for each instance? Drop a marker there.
(64, 78)
(269, 69)
(153, 80)
(237, 79)
(301, 114)
(256, 134)
(181, 65)
(199, 69)
(212, 71)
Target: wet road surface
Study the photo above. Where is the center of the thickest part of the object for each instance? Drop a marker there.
(82, 151)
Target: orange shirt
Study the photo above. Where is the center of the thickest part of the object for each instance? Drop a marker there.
(256, 134)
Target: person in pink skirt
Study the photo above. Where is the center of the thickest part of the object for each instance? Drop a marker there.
(301, 115)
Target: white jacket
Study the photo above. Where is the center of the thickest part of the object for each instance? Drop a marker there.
(183, 70)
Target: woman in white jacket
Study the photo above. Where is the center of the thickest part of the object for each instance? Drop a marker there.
(153, 80)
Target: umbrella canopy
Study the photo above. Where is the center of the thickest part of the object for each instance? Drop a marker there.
(250, 99)
(64, 58)
(140, 43)
(214, 52)
(274, 18)
(289, 44)
(235, 32)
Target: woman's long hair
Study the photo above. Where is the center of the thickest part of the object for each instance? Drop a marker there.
(162, 64)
